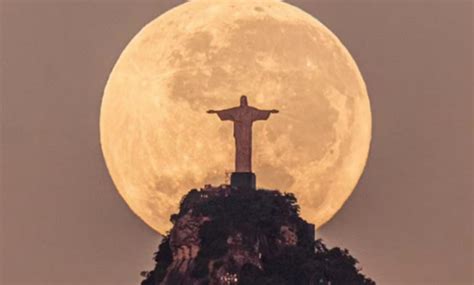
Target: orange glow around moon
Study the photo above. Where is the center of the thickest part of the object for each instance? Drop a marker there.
(159, 142)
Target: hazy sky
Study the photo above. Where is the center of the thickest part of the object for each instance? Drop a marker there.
(62, 222)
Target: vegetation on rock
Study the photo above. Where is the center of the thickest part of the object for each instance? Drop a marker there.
(256, 236)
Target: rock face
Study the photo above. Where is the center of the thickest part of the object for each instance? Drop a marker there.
(228, 236)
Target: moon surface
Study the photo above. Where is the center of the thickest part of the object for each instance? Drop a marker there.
(159, 142)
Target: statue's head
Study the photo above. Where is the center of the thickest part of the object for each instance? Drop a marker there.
(243, 100)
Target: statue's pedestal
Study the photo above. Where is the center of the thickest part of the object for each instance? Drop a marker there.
(243, 180)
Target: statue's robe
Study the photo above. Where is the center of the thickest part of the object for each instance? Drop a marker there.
(243, 118)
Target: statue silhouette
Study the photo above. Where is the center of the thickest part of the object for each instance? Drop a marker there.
(243, 117)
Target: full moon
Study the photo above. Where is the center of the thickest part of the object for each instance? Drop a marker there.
(159, 142)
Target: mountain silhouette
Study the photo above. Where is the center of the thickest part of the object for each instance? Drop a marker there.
(227, 236)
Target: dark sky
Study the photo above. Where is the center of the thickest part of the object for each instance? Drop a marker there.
(62, 222)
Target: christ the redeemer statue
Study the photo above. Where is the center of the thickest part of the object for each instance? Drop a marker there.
(243, 118)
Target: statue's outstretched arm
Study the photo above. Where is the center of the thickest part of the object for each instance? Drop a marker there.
(224, 115)
(262, 114)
